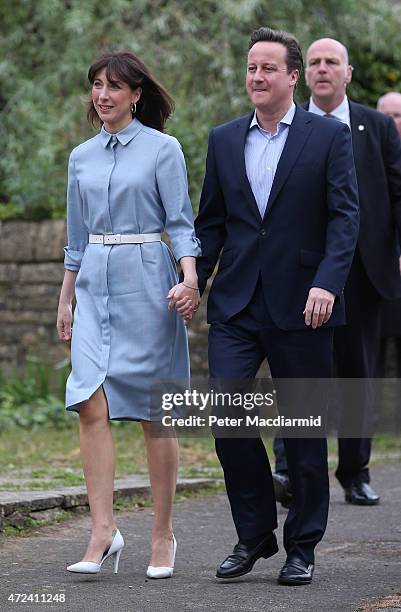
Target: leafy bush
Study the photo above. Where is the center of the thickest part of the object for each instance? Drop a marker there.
(198, 51)
(34, 397)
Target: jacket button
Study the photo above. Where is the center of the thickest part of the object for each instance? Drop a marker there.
(263, 232)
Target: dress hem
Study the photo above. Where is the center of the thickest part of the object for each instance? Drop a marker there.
(74, 407)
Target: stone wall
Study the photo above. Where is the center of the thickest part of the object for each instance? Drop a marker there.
(31, 273)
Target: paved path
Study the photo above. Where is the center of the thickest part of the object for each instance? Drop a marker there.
(359, 561)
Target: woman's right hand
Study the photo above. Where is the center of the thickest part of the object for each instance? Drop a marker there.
(64, 321)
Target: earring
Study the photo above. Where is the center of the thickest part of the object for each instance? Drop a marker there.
(133, 108)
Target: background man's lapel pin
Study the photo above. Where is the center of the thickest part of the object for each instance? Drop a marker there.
(361, 127)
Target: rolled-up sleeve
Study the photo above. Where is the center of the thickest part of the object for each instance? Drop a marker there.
(76, 229)
(171, 176)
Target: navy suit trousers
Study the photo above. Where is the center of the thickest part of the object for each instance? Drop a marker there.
(236, 350)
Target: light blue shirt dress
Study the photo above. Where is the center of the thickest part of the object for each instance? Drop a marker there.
(124, 337)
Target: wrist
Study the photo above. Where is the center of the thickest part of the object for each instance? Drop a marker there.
(193, 287)
(191, 279)
(65, 303)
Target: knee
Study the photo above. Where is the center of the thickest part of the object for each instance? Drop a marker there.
(154, 430)
(308, 458)
(149, 428)
(92, 415)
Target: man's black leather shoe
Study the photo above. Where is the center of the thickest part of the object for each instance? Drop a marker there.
(295, 572)
(244, 557)
(282, 488)
(361, 494)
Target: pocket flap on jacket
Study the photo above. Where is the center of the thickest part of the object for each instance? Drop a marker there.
(311, 258)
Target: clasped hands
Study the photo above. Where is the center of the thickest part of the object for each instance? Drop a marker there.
(185, 299)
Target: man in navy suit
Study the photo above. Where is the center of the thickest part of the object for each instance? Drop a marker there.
(390, 104)
(375, 270)
(280, 201)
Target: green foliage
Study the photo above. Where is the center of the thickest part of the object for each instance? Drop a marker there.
(197, 50)
(34, 397)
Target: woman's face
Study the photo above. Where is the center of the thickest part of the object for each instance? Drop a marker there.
(113, 100)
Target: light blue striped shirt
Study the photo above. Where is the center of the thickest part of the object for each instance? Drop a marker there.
(262, 154)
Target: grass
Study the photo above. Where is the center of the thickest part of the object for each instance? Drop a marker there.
(47, 458)
(50, 458)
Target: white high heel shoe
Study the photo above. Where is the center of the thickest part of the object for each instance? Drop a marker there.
(162, 572)
(89, 567)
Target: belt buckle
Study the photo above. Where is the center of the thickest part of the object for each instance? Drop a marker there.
(112, 239)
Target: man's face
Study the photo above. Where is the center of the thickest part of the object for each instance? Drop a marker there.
(391, 105)
(327, 72)
(269, 86)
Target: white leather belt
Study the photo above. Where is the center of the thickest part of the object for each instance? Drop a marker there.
(123, 238)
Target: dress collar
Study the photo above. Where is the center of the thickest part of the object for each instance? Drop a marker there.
(123, 136)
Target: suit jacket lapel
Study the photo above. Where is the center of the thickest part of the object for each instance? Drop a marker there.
(298, 133)
(238, 144)
(358, 130)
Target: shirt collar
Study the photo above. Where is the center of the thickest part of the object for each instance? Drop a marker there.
(286, 120)
(123, 136)
(341, 112)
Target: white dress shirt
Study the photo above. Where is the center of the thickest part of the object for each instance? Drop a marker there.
(341, 112)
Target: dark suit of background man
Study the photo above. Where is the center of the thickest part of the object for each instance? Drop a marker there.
(375, 271)
(280, 198)
(390, 104)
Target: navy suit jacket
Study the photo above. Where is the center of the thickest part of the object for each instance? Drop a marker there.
(309, 231)
(377, 153)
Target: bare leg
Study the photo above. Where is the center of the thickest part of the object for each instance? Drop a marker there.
(98, 462)
(162, 454)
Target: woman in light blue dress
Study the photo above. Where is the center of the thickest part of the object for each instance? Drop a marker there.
(125, 187)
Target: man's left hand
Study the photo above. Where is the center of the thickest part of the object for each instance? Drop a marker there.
(319, 307)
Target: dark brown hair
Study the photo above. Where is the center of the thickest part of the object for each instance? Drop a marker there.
(154, 106)
(294, 54)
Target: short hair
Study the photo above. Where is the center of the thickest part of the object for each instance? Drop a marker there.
(155, 104)
(294, 57)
